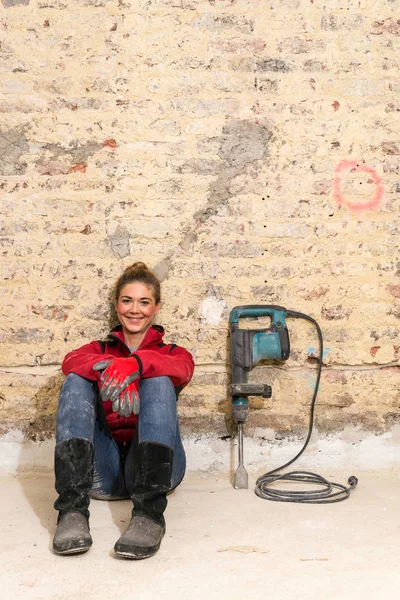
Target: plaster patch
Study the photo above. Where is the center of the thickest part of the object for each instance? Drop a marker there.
(119, 241)
(212, 310)
(13, 144)
(161, 270)
(8, 3)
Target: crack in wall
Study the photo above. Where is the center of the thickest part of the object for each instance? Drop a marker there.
(243, 143)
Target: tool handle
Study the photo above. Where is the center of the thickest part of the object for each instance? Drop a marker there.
(277, 314)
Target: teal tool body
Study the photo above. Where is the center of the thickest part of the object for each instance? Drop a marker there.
(249, 347)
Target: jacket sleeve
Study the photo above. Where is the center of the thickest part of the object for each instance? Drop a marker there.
(178, 365)
(81, 361)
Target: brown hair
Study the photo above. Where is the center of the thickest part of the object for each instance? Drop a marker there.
(139, 271)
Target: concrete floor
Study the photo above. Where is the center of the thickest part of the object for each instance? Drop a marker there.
(221, 543)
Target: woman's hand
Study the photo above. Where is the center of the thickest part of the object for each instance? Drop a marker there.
(128, 402)
(118, 384)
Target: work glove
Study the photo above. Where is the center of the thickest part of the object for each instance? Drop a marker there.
(128, 401)
(118, 384)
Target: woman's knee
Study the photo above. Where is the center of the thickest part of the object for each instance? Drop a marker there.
(73, 381)
(157, 385)
(157, 399)
(76, 409)
(76, 389)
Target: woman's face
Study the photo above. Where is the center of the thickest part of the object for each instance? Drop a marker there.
(136, 308)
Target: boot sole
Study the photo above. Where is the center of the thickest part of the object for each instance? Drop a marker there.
(138, 553)
(71, 551)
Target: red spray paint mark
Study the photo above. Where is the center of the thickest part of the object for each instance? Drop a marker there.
(336, 105)
(394, 290)
(110, 143)
(79, 168)
(374, 350)
(353, 165)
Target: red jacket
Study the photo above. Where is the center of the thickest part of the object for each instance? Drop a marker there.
(154, 357)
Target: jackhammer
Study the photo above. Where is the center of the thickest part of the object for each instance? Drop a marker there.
(248, 348)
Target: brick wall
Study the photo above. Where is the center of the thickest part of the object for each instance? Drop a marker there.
(247, 150)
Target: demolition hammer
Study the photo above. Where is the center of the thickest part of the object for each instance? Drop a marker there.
(248, 348)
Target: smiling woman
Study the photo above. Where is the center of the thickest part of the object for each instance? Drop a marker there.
(117, 424)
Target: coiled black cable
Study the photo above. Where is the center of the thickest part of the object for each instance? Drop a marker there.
(324, 495)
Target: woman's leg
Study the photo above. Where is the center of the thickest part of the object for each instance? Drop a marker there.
(108, 469)
(73, 465)
(74, 445)
(158, 422)
(76, 418)
(79, 446)
(179, 462)
(155, 464)
(76, 412)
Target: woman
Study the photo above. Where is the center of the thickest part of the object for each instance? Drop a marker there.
(117, 433)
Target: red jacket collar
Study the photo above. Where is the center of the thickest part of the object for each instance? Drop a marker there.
(154, 335)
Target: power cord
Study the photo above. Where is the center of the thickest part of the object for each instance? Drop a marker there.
(327, 494)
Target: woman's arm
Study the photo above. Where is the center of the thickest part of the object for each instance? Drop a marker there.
(178, 365)
(81, 361)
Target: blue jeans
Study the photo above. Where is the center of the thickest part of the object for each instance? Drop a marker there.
(113, 462)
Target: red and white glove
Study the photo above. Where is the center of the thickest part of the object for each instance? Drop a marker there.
(118, 383)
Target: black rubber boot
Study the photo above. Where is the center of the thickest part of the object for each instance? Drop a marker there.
(153, 468)
(73, 465)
